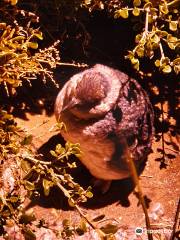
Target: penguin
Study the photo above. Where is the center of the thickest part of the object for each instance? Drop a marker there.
(106, 111)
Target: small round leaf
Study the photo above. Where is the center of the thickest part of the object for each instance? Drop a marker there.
(167, 69)
(157, 63)
(137, 3)
(124, 13)
(136, 11)
(173, 25)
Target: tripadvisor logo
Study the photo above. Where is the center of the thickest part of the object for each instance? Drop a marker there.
(139, 231)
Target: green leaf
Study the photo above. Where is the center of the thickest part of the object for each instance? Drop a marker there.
(78, 155)
(134, 60)
(170, 38)
(18, 38)
(175, 10)
(110, 228)
(26, 166)
(72, 165)
(176, 65)
(82, 228)
(137, 3)
(61, 126)
(32, 45)
(29, 234)
(10, 206)
(124, 13)
(173, 25)
(136, 66)
(136, 11)
(3, 26)
(140, 51)
(130, 55)
(157, 63)
(53, 153)
(39, 35)
(27, 140)
(13, 199)
(165, 61)
(13, 2)
(59, 148)
(70, 202)
(161, 33)
(89, 194)
(46, 186)
(176, 61)
(172, 45)
(147, 5)
(66, 223)
(155, 39)
(163, 8)
(167, 69)
(177, 69)
(99, 218)
(138, 38)
(117, 14)
(27, 218)
(87, 2)
(29, 185)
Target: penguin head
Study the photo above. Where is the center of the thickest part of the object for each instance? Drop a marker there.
(91, 89)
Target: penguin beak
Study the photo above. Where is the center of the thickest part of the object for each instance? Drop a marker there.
(71, 104)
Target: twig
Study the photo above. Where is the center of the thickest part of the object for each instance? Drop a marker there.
(72, 64)
(170, 149)
(176, 221)
(162, 135)
(146, 23)
(135, 179)
(35, 160)
(66, 193)
(55, 178)
(38, 125)
(161, 50)
(173, 2)
(146, 176)
(145, 33)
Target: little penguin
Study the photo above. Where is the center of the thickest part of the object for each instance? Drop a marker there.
(103, 108)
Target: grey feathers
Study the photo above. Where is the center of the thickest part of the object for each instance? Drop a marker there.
(102, 107)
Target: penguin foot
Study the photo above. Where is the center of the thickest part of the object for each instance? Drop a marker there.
(101, 184)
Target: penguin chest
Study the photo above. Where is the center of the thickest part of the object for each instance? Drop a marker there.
(96, 152)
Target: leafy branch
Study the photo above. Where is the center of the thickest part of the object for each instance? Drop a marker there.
(54, 173)
(158, 37)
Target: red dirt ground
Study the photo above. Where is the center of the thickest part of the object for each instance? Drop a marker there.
(160, 186)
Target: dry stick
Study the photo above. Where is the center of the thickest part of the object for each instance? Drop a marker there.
(176, 221)
(162, 135)
(134, 175)
(173, 2)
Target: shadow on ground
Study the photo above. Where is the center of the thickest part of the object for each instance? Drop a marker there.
(118, 192)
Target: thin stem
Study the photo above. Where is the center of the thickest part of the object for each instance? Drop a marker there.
(145, 33)
(66, 193)
(176, 221)
(173, 2)
(35, 160)
(6, 88)
(146, 23)
(170, 149)
(72, 64)
(135, 179)
(162, 134)
(161, 50)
